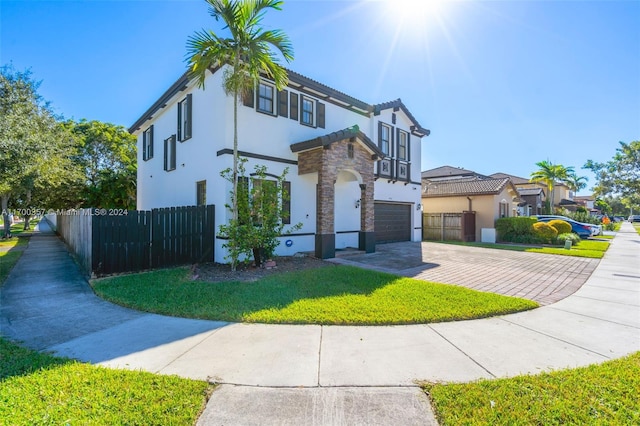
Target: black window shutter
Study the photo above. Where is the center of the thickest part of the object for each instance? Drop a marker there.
(293, 106)
(408, 146)
(392, 150)
(393, 118)
(166, 147)
(286, 202)
(179, 121)
(247, 98)
(380, 134)
(321, 115)
(144, 145)
(173, 152)
(283, 103)
(150, 153)
(187, 130)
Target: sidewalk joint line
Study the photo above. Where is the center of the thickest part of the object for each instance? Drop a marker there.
(607, 301)
(555, 338)
(320, 353)
(463, 352)
(596, 318)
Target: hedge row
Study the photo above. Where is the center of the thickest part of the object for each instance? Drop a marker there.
(527, 230)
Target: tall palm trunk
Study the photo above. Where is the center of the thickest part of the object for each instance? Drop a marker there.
(235, 155)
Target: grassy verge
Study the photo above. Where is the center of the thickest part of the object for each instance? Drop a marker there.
(36, 388)
(585, 248)
(604, 394)
(337, 295)
(10, 252)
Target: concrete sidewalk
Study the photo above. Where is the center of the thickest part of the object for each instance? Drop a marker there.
(289, 374)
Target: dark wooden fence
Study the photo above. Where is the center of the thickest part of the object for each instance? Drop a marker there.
(449, 226)
(141, 240)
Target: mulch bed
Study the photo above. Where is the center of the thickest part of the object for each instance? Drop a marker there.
(216, 272)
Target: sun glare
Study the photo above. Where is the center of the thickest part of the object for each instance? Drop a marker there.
(415, 12)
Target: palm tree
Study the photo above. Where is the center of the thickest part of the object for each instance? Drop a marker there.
(248, 51)
(550, 174)
(575, 182)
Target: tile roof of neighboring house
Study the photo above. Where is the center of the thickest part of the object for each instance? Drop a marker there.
(464, 187)
(530, 191)
(449, 172)
(351, 132)
(396, 105)
(517, 180)
(298, 82)
(584, 198)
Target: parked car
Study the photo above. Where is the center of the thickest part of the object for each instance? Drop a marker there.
(584, 230)
(634, 218)
(595, 229)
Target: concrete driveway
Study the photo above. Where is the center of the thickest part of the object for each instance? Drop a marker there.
(544, 278)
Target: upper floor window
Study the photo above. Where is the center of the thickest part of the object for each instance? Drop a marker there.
(170, 153)
(147, 144)
(184, 119)
(403, 145)
(385, 139)
(265, 98)
(307, 115)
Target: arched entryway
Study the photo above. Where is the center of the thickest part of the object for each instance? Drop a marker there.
(340, 159)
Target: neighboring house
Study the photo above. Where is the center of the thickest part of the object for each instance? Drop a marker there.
(449, 173)
(562, 197)
(588, 202)
(354, 168)
(489, 198)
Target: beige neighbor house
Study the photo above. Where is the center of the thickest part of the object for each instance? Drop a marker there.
(562, 194)
(453, 190)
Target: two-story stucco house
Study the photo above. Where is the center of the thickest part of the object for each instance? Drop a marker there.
(354, 168)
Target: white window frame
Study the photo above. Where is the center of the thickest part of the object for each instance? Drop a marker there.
(384, 141)
(403, 135)
(147, 141)
(260, 99)
(304, 113)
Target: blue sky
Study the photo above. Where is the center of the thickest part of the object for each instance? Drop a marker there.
(500, 84)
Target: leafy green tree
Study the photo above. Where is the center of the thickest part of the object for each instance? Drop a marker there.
(248, 52)
(35, 152)
(620, 175)
(550, 174)
(106, 154)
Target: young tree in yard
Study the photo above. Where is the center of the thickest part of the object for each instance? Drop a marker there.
(248, 52)
(620, 175)
(550, 174)
(35, 151)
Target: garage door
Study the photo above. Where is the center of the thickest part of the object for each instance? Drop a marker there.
(392, 222)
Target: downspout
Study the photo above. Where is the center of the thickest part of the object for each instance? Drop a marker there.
(470, 204)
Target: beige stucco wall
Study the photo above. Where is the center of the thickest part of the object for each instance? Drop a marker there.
(487, 207)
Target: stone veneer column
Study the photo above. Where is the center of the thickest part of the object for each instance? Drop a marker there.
(367, 236)
(325, 221)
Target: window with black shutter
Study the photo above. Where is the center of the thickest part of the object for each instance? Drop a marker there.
(247, 98)
(184, 119)
(170, 153)
(147, 144)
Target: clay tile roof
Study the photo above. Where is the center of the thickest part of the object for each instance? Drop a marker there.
(517, 180)
(464, 187)
(348, 133)
(417, 128)
(447, 171)
(530, 191)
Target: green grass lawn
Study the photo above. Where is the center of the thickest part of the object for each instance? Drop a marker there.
(585, 248)
(333, 295)
(10, 252)
(604, 394)
(37, 388)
